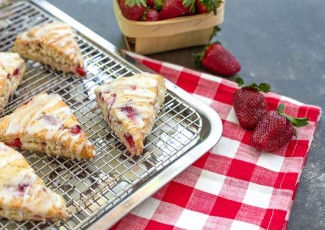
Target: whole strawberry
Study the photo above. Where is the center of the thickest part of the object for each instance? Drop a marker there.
(249, 103)
(176, 8)
(132, 9)
(275, 130)
(205, 6)
(218, 60)
(151, 15)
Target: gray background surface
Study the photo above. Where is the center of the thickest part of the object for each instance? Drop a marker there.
(280, 42)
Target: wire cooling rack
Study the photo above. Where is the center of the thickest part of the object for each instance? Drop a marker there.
(95, 187)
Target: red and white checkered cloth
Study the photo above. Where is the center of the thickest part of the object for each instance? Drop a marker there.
(233, 186)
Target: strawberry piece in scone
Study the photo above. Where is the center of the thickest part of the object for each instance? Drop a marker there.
(46, 124)
(12, 70)
(23, 195)
(130, 106)
(53, 44)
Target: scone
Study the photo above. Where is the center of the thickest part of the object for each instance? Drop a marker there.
(12, 70)
(23, 195)
(53, 44)
(130, 106)
(45, 124)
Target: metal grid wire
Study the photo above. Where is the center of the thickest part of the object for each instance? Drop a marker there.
(93, 187)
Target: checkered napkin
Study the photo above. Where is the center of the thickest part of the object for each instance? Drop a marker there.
(233, 186)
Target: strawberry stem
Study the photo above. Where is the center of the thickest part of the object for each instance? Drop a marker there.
(263, 87)
(199, 56)
(215, 31)
(297, 122)
(159, 4)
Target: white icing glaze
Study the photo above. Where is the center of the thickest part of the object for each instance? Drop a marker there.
(9, 60)
(3, 74)
(139, 92)
(135, 120)
(7, 155)
(142, 98)
(54, 128)
(22, 116)
(33, 118)
(10, 188)
(8, 159)
(142, 82)
(74, 139)
(36, 198)
(79, 149)
(21, 185)
(57, 34)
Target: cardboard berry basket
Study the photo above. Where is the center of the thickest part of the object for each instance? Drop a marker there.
(175, 33)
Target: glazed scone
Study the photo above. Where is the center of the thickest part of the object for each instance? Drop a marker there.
(23, 195)
(53, 44)
(130, 106)
(12, 70)
(45, 124)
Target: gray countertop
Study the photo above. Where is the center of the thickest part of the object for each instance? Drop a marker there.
(279, 42)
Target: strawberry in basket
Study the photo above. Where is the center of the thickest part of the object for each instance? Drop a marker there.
(153, 10)
(205, 6)
(133, 9)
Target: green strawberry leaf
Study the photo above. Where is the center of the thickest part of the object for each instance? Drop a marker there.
(263, 87)
(159, 4)
(212, 5)
(189, 3)
(199, 56)
(296, 122)
(281, 108)
(239, 81)
(215, 31)
(136, 2)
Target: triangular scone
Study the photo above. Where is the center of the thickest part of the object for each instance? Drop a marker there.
(45, 124)
(130, 106)
(53, 44)
(12, 70)
(23, 195)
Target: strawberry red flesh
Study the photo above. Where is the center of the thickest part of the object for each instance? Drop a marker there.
(22, 187)
(130, 140)
(25, 102)
(131, 113)
(14, 143)
(81, 71)
(219, 60)
(75, 130)
(173, 9)
(272, 132)
(112, 100)
(131, 12)
(16, 72)
(250, 106)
